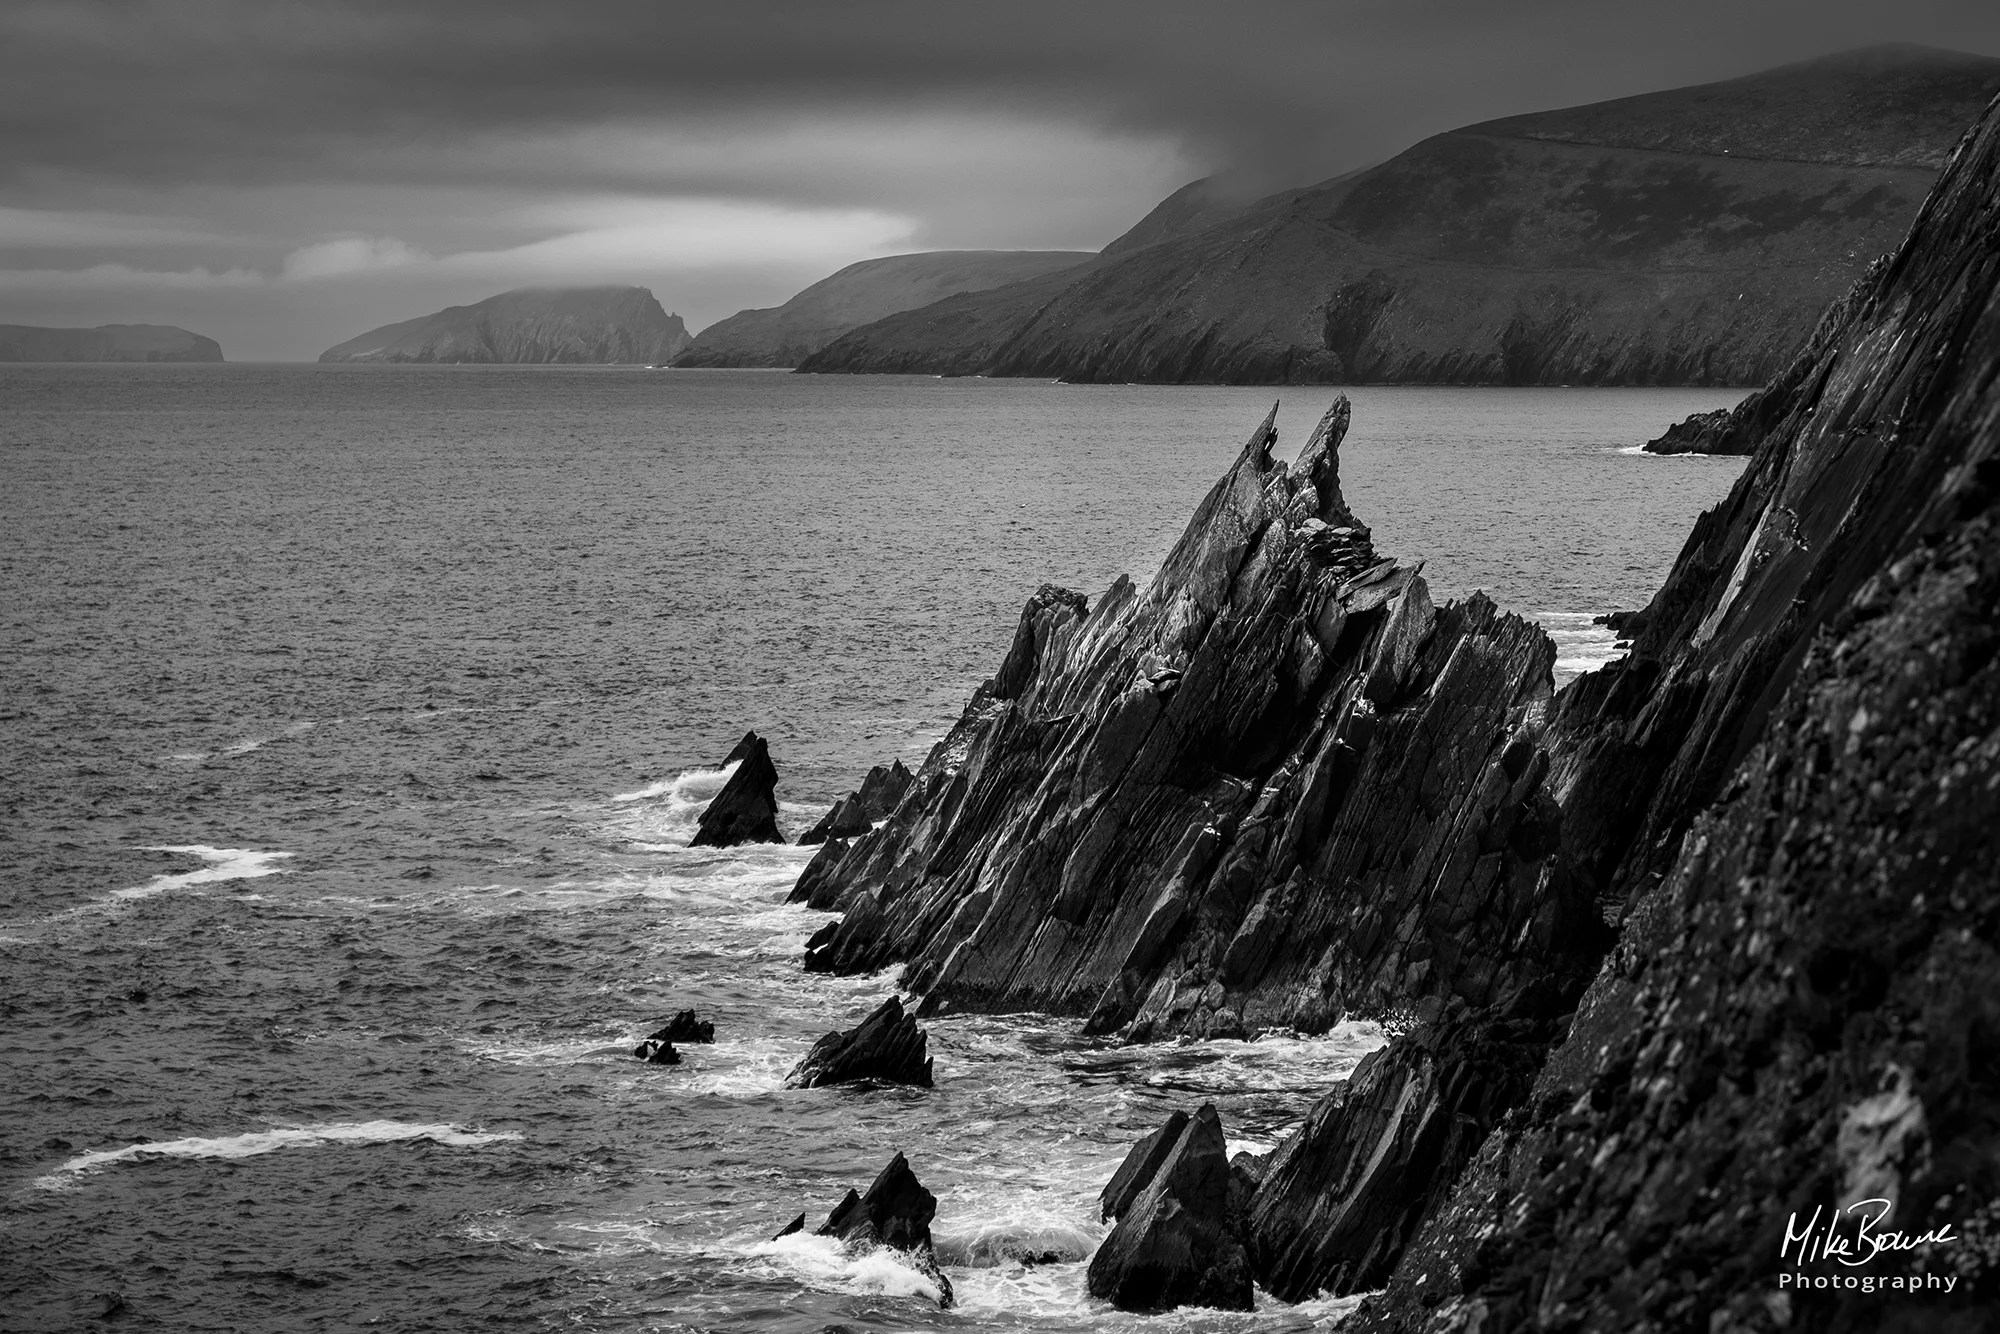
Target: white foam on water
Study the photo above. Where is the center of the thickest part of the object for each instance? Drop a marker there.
(825, 1263)
(1582, 645)
(257, 1142)
(224, 864)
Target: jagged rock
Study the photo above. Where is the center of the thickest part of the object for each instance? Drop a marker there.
(887, 1046)
(654, 1051)
(746, 810)
(1700, 433)
(1338, 1201)
(1803, 749)
(1172, 1245)
(895, 1212)
(685, 1026)
(1276, 786)
(856, 813)
(1141, 1165)
(796, 1225)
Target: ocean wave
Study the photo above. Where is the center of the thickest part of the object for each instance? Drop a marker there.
(224, 864)
(827, 1264)
(255, 1142)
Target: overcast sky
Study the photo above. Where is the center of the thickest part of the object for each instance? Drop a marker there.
(284, 176)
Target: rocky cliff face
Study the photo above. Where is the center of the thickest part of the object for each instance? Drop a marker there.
(1799, 1010)
(1707, 939)
(861, 294)
(1686, 237)
(585, 325)
(1274, 787)
(108, 342)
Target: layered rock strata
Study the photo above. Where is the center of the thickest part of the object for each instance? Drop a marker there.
(888, 1047)
(1276, 786)
(1173, 1245)
(1799, 1010)
(857, 812)
(1697, 944)
(746, 809)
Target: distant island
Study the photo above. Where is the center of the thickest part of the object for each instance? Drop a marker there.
(861, 294)
(1687, 237)
(107, 342)
(534, 325)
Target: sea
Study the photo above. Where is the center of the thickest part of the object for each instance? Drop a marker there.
(354, 721)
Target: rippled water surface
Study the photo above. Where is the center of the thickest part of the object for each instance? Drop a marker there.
(354, 723)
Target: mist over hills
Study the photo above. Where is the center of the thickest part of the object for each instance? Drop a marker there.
(536, 325)
(861, 294)
(1690, 236)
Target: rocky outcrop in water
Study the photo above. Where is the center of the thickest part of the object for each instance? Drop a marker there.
(887, 1047)
(1690, 236)
(107, 342)
(857, 812)
(685, 1026)
(1276, 786)
(895, 1212)
(537, 325)
(1172, 1245)
(657, 1051)
(746, 810)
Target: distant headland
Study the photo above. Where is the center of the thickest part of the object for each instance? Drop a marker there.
(537, 325)
(107, 342)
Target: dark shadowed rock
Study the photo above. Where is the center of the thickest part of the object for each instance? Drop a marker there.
(856, 813)
(896, 1211)
(888, 1046)
(685, 1026)
(1701, 433)
(796, 1225)
(654, 1051)
(1172, 1245)
(1804, 744)
(1141, 1165)
(746, 810)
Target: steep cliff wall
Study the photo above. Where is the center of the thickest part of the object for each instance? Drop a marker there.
(536, 325)
(1710, 937)
(1800, 1009)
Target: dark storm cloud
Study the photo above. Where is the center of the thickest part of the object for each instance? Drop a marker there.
(260, 93)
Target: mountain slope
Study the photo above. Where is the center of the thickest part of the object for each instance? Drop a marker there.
(861, 294)
(107, 342)
(1683, 237)
(598, 325)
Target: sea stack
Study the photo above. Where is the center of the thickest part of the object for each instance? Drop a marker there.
(895, 1212)
(857, 812)
(746, 810)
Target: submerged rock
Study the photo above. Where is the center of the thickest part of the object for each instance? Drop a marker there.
(746, 810)
(857, 812)
(1172, 1245)
(896, 1212)
(888, 1046)
(685, 1026)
